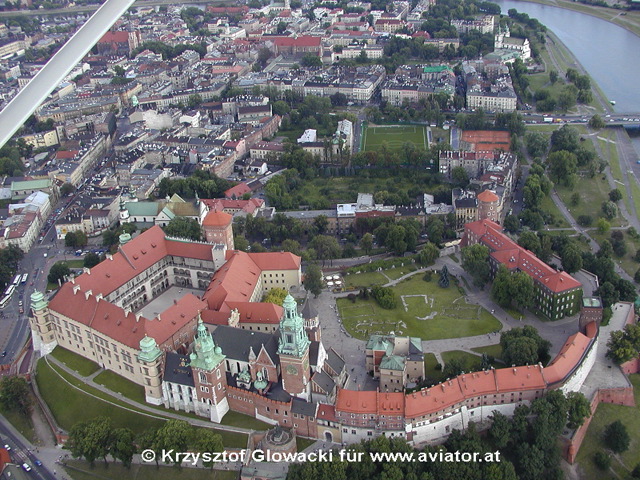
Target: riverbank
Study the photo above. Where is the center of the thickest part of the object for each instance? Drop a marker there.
(630, 21)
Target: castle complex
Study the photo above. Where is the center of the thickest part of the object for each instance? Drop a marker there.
(220, 348)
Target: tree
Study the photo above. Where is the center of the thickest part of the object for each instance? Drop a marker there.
(624, 345)
(366, 243)
(173, 435)
(321, 222)
(609, 210)
(92, 439)
(15, 395)
(596, 122)
(311, 60)
(602, 460)
(562, 164)
(385, 297)
(602, 225)
(579, 409)
(510, 336)
(443, 282)
(453, 368)
(66, 189)
(326, 247)
(553, 76)
(565, 138)
(209, 441)
(530, 241)
(91, 260)
(571, 258)
(428, 254)
(435, 229)
(616, 437)
(537, 143)
(475, 261)
(183, 227)
(123, 447)
(57, 272)
(500, 430)
(511, 224)
(460, 177)
(276, 296)
(313, 280)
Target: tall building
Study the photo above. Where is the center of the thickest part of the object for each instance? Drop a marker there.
(294, 351)
(217, 228)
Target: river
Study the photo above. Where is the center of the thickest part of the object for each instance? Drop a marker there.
(608, 52)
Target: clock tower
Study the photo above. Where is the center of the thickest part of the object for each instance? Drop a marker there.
(293, 350)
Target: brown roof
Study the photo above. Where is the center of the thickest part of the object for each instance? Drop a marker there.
(217, 219)
(488, 196)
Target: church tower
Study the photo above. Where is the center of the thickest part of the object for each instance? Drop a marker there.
(217, 228)
(150, 357)
(124, 213)
(293, 350)
(42, 328)
(209, 377)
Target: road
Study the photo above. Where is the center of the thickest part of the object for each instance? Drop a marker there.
(22, 452)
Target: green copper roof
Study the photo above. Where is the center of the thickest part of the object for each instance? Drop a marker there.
(436, 68)
(38, 301)
(205, 354)
(149, 350)
(293, 338)
(392, 362)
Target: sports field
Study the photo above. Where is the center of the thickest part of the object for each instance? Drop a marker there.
(395, 136)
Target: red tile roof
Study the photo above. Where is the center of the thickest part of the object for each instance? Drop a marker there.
(258, 312)
(327, 412)
(488, 196)
(518, 379)
(391, 403)
(513, 256)
(238, 191)
(569, 357)
(300, 41)
(434, 399)
(217, 219)
(276, 260)
(356, 401)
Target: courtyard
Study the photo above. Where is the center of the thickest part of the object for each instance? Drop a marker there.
(424, 310)
(166, 299)
(394, 136)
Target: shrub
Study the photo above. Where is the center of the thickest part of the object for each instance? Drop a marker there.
(585, 220)
(385, 297)
(352, 297)
(602, 460)
(428, 275)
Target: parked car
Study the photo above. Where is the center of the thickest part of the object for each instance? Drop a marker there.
(26, 467)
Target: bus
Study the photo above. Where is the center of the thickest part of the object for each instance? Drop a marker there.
(24, 278)
(5, 301)
(16, 280)
(9, 291)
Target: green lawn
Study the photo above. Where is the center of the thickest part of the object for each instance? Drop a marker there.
(119, 384)
(494, 351)
(394, 136)
(627, 262)
(236, 419)
(303, 443)
(21, 423)
(471, 362)
(366, 279)
(430, 363)
(557, 220)
(593, 192)
(606, 414)
(75, 362)
(395, 273)
(81, 470)
(68, 263)
(70, 406)
(451, 316)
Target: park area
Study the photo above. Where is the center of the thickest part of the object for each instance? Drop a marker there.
(424, 310)
(394, 136)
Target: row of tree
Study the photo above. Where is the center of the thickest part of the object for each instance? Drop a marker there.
(98, 439)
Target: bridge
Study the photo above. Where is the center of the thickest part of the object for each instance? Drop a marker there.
(610, 120)
(13, 116)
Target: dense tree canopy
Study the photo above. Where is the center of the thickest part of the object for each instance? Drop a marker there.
(514, 336)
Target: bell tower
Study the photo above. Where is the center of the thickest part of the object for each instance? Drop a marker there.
(150, 357)
(293, 350)
(209, 377)
(42, 330)
(124, 213)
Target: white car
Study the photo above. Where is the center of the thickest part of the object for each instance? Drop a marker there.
(26, 467)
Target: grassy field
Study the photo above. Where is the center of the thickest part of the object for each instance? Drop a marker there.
(592, 191)
(69, 263)
(119, 384)
(431, 313)
(81, 470)
(394, 136)
(70, 406)
(430, 363)
(366, 279)
(75, 362)
(550, 207)
(606, 414)
(627, 262)
(395, 273)
(21, 423)
(303, 443)
(494, 351)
